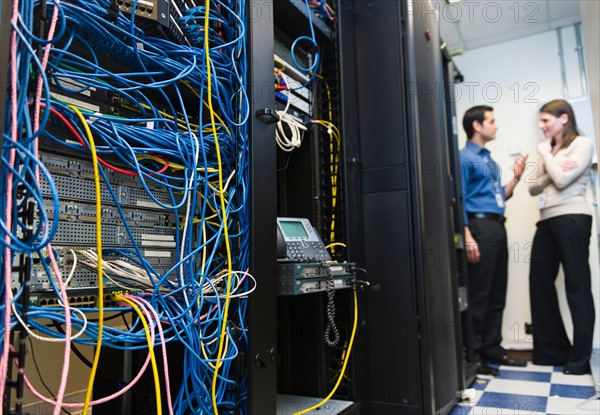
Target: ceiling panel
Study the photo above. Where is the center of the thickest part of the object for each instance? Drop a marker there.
(473, 24)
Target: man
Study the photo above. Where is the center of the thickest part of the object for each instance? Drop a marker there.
(485, 236)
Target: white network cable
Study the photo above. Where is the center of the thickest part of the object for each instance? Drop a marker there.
(296, 129)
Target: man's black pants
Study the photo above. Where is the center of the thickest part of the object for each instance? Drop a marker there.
(487, 286)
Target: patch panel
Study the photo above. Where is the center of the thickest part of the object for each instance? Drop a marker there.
(300, 98)
(73, 188)
(156, 10)
(150, 225)
(74, 233)
(83, 298)
(75, 93)
(63, 165)
(76, 211)
(84, 277)
(72, 92)
(161, 15)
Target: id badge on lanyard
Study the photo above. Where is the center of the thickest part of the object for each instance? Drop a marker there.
(499, 200)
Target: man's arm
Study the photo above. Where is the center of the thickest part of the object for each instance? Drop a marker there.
(471, 247)
(518, 169)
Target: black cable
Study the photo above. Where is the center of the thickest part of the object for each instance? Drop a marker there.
(331, 327)
(74, 348)
(37, 369)
(125, 321)
(113, 317)
(287, 163)
(364, 271)
(86, 362)
(94, 320)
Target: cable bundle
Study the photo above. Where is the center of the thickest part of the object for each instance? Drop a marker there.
(322, 8)
(290, 131)
(167, 120)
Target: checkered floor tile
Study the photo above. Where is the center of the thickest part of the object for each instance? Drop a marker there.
(532, 390)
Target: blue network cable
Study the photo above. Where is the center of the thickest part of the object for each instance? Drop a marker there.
(163, 139)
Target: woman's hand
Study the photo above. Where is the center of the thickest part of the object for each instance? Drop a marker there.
(568, 164)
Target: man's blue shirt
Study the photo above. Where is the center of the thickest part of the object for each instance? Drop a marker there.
(480, 181)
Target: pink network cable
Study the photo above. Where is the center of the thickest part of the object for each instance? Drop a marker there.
(146, 305)
(122, 391)
(63, 293)
(9, 195)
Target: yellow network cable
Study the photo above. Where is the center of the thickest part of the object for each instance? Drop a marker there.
(346, 358)
(203, 348)
(333, 160)
(331, 245)
(88, 132)
(334, 133)
(206, 103)
(330, 9)
(328, 90)
(280, 62)
(223, 210)
(119, 297)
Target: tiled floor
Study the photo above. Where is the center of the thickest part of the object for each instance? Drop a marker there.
(532, 390)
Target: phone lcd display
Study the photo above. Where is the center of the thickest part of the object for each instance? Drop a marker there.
(293, 229)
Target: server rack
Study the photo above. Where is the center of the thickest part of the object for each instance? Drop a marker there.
(393, 158)
(308, 369)
(262, 359)
(396, 147)
(77, 230)
(452, 77)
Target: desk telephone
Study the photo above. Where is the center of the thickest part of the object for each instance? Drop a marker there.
(298, 241)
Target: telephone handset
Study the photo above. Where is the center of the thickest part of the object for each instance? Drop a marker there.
(298, 241)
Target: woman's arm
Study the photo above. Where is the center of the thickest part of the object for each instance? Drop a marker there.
(581, 155)
(539, 179)
(539, 184)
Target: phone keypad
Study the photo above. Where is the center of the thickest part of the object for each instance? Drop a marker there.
(307, 250)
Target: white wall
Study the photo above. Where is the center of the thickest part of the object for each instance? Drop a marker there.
(516, 78)
(590, 16)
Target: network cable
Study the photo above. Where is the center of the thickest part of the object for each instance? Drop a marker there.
(188, 157)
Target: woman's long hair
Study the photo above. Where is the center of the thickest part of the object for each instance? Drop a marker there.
(557, 108)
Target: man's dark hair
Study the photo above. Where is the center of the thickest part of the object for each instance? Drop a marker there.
(474, 114)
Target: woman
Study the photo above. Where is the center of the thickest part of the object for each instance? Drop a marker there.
(562, 236)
